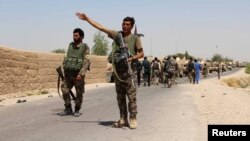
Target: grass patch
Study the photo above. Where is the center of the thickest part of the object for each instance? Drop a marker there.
(247, 69)
(238, 82)
(44, 92)
(29, 94)
(37, 92)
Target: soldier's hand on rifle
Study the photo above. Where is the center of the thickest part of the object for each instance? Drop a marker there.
(79, 77)
(130, 59)
(81, 16)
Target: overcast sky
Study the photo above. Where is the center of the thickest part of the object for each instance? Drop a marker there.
(169, 26)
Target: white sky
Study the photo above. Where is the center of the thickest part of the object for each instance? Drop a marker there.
(169, 26)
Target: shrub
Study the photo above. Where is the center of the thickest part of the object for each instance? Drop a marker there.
(247, 69)
(59, 51)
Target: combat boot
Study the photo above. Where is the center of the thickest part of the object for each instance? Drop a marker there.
(132, 123)
(77, 113)
(120, 123)
(67, 111)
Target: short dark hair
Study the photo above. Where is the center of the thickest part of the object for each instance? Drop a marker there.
(131, 19)
(80, 31)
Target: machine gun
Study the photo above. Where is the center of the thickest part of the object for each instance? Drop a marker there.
(61, 76)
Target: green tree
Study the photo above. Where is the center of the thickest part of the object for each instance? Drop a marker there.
(100, 45)
(226, 59)
(187, 56)
(59, 51)
(217, 58)
(180, 55)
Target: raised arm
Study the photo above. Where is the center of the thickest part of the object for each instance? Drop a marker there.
(84, 17)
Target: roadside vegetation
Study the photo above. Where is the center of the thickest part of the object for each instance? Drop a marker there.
(59, 51)
(247, 69)
(238, 82)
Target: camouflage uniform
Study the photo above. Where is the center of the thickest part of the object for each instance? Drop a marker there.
(127, 88)
(191, 72)
(205, 71)
(70, 80)
(218, 70)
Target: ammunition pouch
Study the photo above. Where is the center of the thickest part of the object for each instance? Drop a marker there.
(72, 63)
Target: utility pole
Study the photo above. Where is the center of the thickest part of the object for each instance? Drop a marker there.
(217, 49)
(150, 53)
(176, 47)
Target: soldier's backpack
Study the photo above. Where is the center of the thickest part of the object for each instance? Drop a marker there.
(172, 66)
(156, 65)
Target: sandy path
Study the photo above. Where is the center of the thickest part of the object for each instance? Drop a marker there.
(221, 104)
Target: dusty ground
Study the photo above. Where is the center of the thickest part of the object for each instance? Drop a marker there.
(36, 95)
(220, 104)
(217, 102)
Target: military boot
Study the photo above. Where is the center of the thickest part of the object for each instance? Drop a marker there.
(132, 123)
(67, 111)
(77, 113)
(121, 123)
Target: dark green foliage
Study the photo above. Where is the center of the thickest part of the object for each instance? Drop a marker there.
(59, 51)
(100, 45)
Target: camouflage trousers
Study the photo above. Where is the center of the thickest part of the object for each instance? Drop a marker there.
(124, 89)
(67, 85)
(191, 76)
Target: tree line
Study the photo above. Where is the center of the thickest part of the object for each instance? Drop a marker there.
(101, 48)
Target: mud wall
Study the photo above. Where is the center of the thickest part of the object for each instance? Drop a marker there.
(23, 71)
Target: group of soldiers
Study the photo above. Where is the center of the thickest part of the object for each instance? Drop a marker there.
(156, 71)
(125, 58)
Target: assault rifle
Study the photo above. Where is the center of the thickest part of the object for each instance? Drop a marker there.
(124, 53)
(61, 76)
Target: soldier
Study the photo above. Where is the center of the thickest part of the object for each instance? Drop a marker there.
(75, 65)
(123, 80)
(176, 68)
(171, 68)
(139, 69)
(166, 72)
(156, 67)
(147, 71)
(218, 70)
(204, 70)
(190, 69)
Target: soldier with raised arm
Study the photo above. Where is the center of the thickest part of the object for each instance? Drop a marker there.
(123, 79)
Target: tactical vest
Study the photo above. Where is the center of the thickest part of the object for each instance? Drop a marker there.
(130, 45)
(74, 59)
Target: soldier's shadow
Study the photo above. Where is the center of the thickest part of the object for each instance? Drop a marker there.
(103, 123)
(106, 123)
